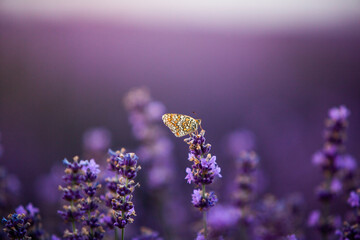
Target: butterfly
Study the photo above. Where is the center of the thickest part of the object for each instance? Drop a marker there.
(179, 124)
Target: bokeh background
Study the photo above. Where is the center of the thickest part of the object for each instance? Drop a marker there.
(272, 67)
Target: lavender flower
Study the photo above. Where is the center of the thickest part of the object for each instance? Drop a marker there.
(202, 173)
(74, 175)
(90, 203)
(31, 216)
(349, 232)
(324, 225)
(203, 201)
(15, 226)
(122, 187)
(247, 165)
(351, 228)
(156, 149)
(314, 218)
(354, 199)
(275, 218)
(334, 167)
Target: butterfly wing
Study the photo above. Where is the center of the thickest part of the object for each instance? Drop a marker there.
(179, 124)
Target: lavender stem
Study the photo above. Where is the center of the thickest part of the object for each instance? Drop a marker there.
(204, 212)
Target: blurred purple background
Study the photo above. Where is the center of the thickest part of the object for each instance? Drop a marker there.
(59, 78)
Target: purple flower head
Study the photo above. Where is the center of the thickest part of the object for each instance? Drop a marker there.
(246, 178)
(15, 226)
(21, 210)
(32, 210)
(121, 187)
(348, 231)
(71, 213)
(354, 199)
(314, 218)
(111, 183)
(248, 162)
(326, 193)
(91, 169)
(70, 194)
(336, 186)
(123, 204)
(222, 218)
(32, 217)
(89, 204)
(339, 113)
(121, 220)
(29, 211)
(203, 171)
(203, 201)
(113, 160)
(73, 171)
(74, 166)
(319, 159)
(128, 165)
(197, 144)
(189, 176)
(346, 162)
(90, 190)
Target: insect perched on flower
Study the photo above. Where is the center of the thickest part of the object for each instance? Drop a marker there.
(179, 124)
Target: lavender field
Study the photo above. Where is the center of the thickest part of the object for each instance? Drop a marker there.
(85, 152)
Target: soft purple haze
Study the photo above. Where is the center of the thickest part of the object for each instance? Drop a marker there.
(60, 78)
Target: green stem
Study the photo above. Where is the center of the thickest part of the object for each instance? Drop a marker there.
(123, 212)
(204, 213)
(115, 233)
(91, 230)
(73, 221)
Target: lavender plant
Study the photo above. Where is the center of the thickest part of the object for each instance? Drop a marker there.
(267, 219)
(72, 212)
(90, 203)
(351, 228)
(156, 152)
(244, 194)
(275, 218)
(330, 159)
(123, 184)
(203, 171)
(16, 227)
(32, 217)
